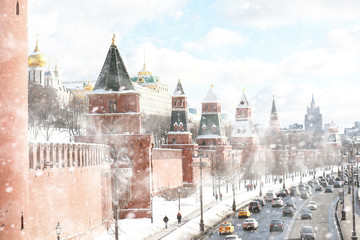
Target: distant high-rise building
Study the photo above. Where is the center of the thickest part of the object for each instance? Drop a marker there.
(313, 118)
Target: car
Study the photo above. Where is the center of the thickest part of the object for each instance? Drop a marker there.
(319, 188)
(277, 202)
(307, 232)
(329, 189)
(301, 185)
(337, 184)
(250, 223)
(282, 193)
(261, 201)
(244, 213)
(254, 206)
(312, 205)
(294, 192)
(324, 183)
(288, 211)
(232, 237)
(305, 213)
(276, 225)
(308, 188)
(311, 184)
(290, 204)
(269, 196)
(304, 194)
(226, 227)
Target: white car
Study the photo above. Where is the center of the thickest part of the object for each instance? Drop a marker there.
(312, 205)
(250, 223)
(277, 202)
(232, 237)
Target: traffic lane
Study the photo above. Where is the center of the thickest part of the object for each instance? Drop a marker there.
(264, 217)
(320, 217)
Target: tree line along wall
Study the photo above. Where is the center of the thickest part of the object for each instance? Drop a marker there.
(69, 184)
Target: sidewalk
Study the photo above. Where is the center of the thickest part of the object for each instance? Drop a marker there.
(347, 225)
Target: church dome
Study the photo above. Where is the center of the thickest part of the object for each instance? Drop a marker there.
(37, 59)
(88, 86)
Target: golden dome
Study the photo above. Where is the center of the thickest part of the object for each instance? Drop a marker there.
(88, 87)
(37, 59)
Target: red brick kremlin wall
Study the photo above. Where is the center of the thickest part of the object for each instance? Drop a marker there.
(74, 190)
(167, 168)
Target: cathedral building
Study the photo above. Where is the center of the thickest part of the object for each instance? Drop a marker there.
(38, 74)
(313, 118)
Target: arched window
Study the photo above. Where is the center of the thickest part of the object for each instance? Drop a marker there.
(17, 8)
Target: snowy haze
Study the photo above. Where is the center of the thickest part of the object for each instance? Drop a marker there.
(290, 49)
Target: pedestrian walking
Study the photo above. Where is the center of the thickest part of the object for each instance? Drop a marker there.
(216, 197)
(165, 219)
(179, 217)
(220, 196)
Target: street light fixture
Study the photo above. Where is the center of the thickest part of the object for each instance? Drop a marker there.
(200, 164)
(58, 230)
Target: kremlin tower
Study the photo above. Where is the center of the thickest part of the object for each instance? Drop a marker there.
(274, 119)
(114, 119)
(14, 152)
(243, 134)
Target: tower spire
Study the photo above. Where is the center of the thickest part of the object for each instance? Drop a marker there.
(113, 40)
(273, 107)
(37, 43)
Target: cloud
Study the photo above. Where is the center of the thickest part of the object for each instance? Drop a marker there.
(78, 33)
(216, 38)
(264, 14)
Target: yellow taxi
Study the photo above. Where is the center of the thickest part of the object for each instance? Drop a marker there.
(226, 227)
(244, 213)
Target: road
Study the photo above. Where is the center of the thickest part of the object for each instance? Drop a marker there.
(322, 219)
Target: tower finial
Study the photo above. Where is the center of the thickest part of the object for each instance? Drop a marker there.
(179, 80)
(212, 85)
(56, 62)
(244, 90)
(144, 55)
(113, 39)
(37, 41)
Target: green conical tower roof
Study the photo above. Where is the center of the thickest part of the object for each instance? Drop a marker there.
(113, 75)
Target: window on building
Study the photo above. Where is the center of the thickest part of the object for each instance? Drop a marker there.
(173, 141)
(213, 108)
(112, 106)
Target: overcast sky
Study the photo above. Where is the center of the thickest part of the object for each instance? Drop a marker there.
(289, 49)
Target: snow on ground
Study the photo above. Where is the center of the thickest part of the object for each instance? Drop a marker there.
(131, 229)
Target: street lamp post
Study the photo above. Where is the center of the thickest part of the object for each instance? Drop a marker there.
(58, 230)
(200, 153)
(353, 235)
(351, 146)
(233, 188)
(179, 191)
